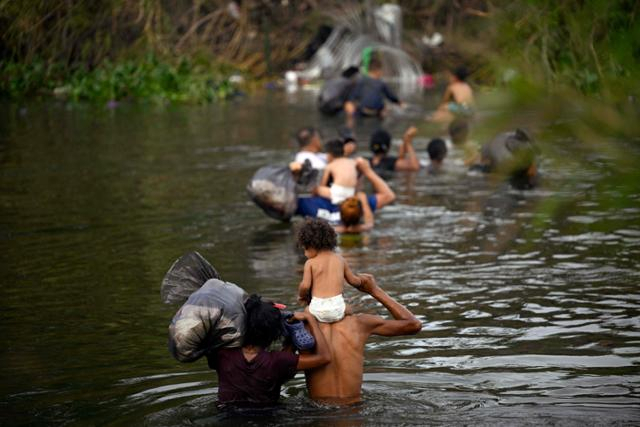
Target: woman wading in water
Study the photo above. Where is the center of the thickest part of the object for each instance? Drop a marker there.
(251, 375)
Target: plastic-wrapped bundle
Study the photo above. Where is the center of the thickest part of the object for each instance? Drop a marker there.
(212, 317)
(513, 154)
(273, 189)
(187, 274)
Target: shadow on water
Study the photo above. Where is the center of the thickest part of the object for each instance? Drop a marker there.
(529, 315)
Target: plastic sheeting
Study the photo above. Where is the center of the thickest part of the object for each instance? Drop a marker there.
(213, 315)
(508, 147)
(273, 189)
(187, 274)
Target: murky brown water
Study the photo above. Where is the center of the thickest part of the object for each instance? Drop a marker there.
(528, 317)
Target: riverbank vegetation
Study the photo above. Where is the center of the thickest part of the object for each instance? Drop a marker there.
(179, 51)
(147, 79)
(186, 50)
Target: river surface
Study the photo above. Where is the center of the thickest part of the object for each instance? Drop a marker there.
(529, 300)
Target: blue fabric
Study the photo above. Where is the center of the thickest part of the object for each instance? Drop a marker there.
(319, 207)
(370, 94)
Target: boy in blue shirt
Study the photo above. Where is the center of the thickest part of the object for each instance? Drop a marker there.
(367, 98)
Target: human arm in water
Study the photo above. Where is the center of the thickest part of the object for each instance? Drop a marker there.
(304, 289)
(322, 355)
(323, 190)
(407, 158)
(384, 194)
(403, 322)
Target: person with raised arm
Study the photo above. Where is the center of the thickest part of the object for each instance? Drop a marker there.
(340, 381)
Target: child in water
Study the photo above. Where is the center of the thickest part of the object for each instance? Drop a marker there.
(324, 272)
(343, 173)
(457, 99)
(368, 96)
(437, 150)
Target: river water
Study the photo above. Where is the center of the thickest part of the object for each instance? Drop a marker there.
(530, 314)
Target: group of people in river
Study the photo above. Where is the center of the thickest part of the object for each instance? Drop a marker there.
(252, 375)
(334, 368)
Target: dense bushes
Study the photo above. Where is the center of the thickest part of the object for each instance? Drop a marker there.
(147, 78)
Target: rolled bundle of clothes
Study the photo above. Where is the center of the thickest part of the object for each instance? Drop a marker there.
(213, 315)
(275, 189)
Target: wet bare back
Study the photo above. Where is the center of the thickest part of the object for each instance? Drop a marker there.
(340, 381)
(344, 172)
(461, 93)
(327, 274)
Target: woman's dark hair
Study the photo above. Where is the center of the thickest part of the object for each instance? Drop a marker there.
(380, 142)
(335, 147)
(263, 322)
(317, 234)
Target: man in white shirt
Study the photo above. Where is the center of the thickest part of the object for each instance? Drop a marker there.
(310, 148)
(310, 143)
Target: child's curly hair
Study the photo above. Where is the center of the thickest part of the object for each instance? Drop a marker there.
(317, 234)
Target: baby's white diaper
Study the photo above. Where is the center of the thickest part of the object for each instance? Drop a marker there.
(328, 310)
(340, 193)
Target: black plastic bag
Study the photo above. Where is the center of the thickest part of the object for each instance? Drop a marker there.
(273, 189)
(213, 317)
(187, 274)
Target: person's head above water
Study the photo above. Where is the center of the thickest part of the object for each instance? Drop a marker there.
(263, 322)
(437, 150)
(335, 148)
(460, 73)
(351, 211)
(375, 68)
(308, 136)
(459, 130)
(380, 142)
(316, 235)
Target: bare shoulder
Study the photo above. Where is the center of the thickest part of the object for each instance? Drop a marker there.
(368, 322)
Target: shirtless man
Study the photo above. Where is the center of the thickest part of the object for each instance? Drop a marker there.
(457, 99)
(340, 381)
